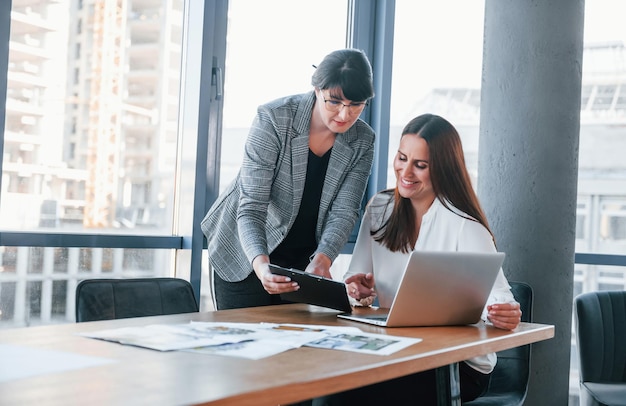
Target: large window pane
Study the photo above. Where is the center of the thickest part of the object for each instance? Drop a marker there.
(91, 119)
(601, 167)
(271, 57)
(437, 69)
(90, 145)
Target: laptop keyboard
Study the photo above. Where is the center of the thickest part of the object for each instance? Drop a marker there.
(381, 317)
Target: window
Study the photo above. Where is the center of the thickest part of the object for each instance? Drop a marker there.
(601, 213)
(582, 214)
(91, 143)
(613, 221)
(78, 131)
(437, 71)
(90, 147)
(275, 61)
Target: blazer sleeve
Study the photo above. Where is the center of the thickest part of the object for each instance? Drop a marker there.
(261, 153)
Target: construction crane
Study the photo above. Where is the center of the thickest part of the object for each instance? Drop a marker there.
(105, 101)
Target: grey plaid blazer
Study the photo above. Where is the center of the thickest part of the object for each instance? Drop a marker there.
(253, 215)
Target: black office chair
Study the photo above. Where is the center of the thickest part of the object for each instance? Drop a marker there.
(107, 299)
(509, 379)
(600, 325)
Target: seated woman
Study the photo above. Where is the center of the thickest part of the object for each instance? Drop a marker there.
(432, 208)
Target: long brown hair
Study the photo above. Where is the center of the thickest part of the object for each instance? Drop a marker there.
(449, 177)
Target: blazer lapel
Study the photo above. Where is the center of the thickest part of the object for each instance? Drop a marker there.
(340, 158)
(299, 160)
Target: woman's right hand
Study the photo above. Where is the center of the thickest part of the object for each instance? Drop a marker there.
(360, 286)
(273, 284)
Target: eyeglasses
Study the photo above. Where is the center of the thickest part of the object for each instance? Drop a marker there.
(336, 106)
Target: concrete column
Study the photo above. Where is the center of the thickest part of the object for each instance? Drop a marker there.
(528, 163)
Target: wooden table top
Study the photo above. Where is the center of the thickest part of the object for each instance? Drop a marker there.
(144, 376)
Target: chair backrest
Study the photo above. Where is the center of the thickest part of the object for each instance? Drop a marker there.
(107, 299)
(600, 325)
(509, 379)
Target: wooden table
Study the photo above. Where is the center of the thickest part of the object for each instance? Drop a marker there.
(143, 376)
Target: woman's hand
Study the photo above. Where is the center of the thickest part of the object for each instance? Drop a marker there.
(273, 284)
(361, 286)
(320, 265)
(506, 316)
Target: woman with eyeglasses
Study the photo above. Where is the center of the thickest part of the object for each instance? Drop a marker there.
(298, 193)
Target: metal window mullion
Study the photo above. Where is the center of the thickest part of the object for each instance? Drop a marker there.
(46, 284)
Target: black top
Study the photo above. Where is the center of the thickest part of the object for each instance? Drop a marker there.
(300, 242)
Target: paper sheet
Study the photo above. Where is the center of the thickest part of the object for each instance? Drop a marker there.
(252, 340)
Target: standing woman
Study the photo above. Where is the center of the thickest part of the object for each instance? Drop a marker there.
(432, 208)
(298, 193)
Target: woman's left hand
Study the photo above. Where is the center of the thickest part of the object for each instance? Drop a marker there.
(506, 316)
(361, 286)
(320, 265)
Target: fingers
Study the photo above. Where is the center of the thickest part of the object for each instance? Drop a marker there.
(512, 315)
(507, 323)
(273, 284)
(359, 291)
(511, 309)
(368, 280)
(353, 278)
(276, 284)
(505, 315)
(503, 324)
(353, 290)
(361, 286)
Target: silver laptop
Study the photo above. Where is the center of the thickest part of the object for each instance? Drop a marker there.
(438, 289)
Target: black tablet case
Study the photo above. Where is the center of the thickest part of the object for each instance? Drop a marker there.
(315, 289)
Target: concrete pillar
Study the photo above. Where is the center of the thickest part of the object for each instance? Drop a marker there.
(528, 163)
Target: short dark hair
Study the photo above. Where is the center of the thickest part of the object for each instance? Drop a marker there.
(348, 69)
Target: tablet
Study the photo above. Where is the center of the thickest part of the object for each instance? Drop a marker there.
(315, 289)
